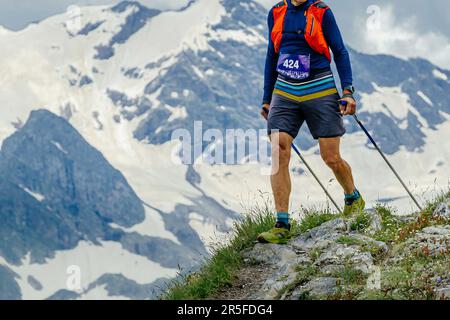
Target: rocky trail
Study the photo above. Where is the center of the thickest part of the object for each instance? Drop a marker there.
(376, 255)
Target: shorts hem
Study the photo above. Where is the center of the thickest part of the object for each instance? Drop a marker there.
(281, 130)
(330, 136)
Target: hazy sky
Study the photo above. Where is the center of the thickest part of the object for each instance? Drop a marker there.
(406, 28)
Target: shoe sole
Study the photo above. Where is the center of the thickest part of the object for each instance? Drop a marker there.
(264, 241)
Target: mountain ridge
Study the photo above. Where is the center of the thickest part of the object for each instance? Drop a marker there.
(126, 107)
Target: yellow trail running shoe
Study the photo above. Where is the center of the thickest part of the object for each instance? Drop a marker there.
(280, 234)
(356, 207)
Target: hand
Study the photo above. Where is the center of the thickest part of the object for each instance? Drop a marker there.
(349, 108)
(263, 112)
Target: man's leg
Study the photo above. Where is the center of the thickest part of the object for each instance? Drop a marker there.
(281, 186)
(329, 150)
(280, 178)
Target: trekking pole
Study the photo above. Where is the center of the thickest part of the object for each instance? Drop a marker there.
(297, 151)
(384, 157)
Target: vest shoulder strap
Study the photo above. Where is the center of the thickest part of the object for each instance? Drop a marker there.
(320, 5)
(280, 4)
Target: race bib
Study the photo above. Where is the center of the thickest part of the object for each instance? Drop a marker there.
(293, 66)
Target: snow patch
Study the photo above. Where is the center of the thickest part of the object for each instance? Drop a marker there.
(59, 147)
(425, 98)
(177, 113)
(198, 72)
(39, 197)
(207, 231)
(92, 261)
(440, 75)
(152, 226)
(247, 36)
(392, 102)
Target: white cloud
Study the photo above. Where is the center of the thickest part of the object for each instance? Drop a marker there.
(402, 39)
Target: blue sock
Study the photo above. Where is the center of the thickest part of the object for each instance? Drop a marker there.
(350, 198)
(283, 217)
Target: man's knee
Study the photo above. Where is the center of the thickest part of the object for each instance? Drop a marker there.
(282, 153)
(332, 160)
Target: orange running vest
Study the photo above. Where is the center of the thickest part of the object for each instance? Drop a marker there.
(313, 31)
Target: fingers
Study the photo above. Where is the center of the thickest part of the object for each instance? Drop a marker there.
(349, 108)
(352, 110)
(263, 114)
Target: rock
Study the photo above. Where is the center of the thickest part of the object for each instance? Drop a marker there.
(380, 246)
(443, 293)
(272, 254)
(319, 287)
(321, 236)
(435, 239)
(376, 223)
(362, 261)
(443, 210)
(34, 283)
(314, 264)
(336, 254)
(438, 230)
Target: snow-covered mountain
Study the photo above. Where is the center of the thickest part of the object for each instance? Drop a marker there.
(88, 106)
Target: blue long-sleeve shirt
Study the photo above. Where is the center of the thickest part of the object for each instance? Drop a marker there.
(293, 42)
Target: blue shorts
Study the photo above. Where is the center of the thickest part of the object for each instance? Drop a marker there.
(314, 101)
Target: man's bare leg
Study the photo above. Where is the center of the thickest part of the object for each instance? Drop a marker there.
(280, 179)
(329, 150)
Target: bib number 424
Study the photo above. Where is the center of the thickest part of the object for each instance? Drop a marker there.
(291, 64)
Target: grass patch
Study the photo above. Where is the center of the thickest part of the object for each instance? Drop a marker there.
(349, 240)
(219, 271)
(390, 224)
(304, 274)
(313, 219)
(362, 222)
(414, 278)
(351, 276)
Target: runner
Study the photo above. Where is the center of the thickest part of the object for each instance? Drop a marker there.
(299, 87)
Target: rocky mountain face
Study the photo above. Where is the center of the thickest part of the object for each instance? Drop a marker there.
(92, 166)
(222, 84)
(57, 190)
(371, 256)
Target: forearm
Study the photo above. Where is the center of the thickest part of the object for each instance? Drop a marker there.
(344, 68)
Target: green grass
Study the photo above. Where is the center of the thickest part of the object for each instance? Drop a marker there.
(390, 224)
(219, 271)
(304, 274)
(349, 240)
(351, 276)
(362, 222)
(311, 220)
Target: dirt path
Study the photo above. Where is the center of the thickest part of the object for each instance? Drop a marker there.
(249, 280)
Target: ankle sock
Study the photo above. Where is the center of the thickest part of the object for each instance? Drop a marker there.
(352, 197)
(283, 217)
